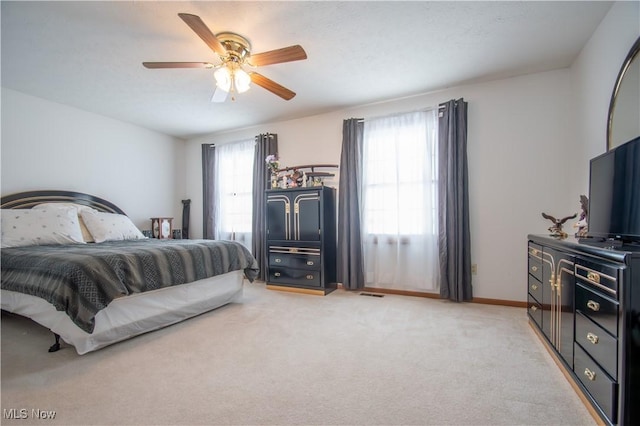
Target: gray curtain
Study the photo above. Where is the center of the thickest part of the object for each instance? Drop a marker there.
(350, 262)
(266, 144)
(208, 199)
(454, 240)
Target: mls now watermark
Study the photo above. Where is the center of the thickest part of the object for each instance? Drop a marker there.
(24, 413)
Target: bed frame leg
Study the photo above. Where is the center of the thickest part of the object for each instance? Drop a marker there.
(56, 346)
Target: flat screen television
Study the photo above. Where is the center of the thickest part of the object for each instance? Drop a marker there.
(614, 194)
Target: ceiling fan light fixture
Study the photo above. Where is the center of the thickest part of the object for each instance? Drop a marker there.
(230, 77)
(223, 78)
(242, 80)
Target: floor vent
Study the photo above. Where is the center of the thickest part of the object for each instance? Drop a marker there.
(371, 294)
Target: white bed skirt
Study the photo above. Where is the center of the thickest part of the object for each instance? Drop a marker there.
(132, 315)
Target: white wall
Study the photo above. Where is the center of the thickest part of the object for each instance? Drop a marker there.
(51, 146)
(593, 76)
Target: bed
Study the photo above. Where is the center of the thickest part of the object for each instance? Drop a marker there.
(75, 264)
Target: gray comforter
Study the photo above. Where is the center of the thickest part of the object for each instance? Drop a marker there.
(82, 279)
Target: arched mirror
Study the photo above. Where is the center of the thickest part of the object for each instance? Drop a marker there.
(624, 108)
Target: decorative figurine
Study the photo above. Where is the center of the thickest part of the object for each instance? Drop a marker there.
(296, 178)
(582, 223)
(556, 229)
(273, 164)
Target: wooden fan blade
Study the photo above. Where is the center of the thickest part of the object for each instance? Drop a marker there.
(286, 54)
(200, 28)
(271, 86)
(156, 65)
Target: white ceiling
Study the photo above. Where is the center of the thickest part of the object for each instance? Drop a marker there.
(89, 54)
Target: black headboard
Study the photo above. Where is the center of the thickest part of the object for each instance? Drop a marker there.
(26, 200)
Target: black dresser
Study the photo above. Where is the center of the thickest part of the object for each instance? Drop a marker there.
(301, 239)
(584, 302)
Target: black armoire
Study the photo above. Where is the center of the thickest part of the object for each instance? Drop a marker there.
(301, 239)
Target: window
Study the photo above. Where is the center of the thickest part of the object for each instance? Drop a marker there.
(399, 218)
(233, 191)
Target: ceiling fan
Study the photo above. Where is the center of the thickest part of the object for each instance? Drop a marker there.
(234, 52)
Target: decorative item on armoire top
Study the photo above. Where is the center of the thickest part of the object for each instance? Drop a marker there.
(274, 167)
(582, 223)
(296, 179)
(304, 176)
(556, 228)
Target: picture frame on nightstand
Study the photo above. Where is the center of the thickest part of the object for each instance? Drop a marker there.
(161, 227)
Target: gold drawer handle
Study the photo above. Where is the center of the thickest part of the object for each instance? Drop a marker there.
(534, 287)
(593, 276)
(590, 374)
(310, 262)
(592, 338)
(534, 252)
(278, 260)
(277, 274)
(534, 308)
(309, 277)
(534, 268)
(594, 306)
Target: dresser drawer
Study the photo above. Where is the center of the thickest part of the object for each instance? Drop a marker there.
(599, 344)
(597, 307)
(294, 276)
(277, 259)
(601, 387)
(534, 309)
(309, 262)
(599, 276)
(299, 261)
(535, 288)
(535, 261)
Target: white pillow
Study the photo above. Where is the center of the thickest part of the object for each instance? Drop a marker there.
(27, 227)
(79, 207)
(110, 226)
(86, 235)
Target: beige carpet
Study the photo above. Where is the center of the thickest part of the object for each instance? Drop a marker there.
(283, 358)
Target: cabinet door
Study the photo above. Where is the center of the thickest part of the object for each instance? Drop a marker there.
(565, 289)
(307, 216)
(278, 217)
(548, 291)
(557, 301)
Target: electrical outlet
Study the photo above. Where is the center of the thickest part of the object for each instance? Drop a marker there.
(474, 269)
